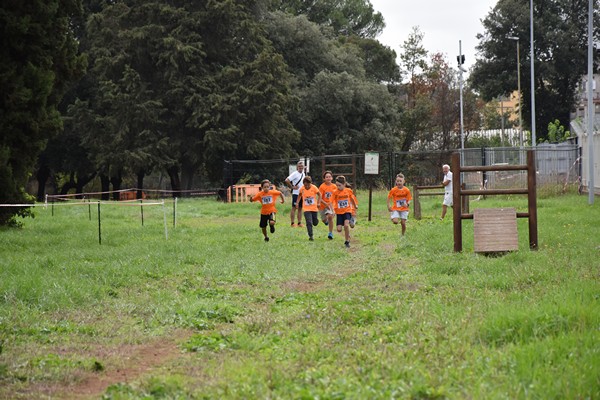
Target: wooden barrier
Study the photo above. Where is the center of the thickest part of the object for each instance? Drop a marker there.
(242, 193)
(530, 191)
(417, 194)
(495, 230)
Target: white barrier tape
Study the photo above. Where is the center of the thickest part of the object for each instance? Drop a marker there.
(59, 196)
(81, 204)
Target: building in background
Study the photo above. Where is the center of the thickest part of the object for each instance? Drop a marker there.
(579, 127)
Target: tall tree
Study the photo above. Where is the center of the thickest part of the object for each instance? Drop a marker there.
(344, 17)
(415, 119)
(38, 57)
(560, 43)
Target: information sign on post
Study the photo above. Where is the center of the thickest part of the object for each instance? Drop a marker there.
(371, 163)
(371, 168)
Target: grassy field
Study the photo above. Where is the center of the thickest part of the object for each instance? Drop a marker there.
(214, 312)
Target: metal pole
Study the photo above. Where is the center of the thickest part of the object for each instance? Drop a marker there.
(175, 212)
(460, 70)
(519, 91)
(531, 45)
(515, 38)
(142, 210)
(502, 120)
(590, 102)
(99, 226)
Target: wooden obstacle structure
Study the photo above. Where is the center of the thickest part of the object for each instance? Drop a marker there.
(420, 191)
(346, 169)
(242, 193)
(495, 230)
(496, 226)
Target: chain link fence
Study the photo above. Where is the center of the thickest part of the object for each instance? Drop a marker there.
(556, 165)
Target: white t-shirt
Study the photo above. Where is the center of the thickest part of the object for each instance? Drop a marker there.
(448, 187)
(296, 180)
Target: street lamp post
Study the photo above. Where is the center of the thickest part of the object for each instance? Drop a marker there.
(532, 46)
(461, 60)
(519, 89)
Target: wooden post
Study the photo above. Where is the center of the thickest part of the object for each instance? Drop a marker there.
(531, 200)
(456, 211)
(465, 200)
(417, 203)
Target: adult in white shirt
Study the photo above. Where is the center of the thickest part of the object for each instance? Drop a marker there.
(294, 182)
(447, 182)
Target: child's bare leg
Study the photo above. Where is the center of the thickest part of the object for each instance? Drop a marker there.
(347, 230)
(264, 231)
(403, 226)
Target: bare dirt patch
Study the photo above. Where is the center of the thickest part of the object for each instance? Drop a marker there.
(125, 363)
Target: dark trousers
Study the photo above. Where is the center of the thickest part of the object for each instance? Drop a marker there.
(312, 218)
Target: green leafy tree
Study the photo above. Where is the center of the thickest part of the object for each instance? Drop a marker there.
(557, 132)
(418, 106)
(344, 17)
(38, 59)
(560, 28)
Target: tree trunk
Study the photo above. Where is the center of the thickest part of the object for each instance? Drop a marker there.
(105, 183)
(69, 185)
(43, 173)
(140, 183)
(175, 181)
(81, 182)
(116, 181)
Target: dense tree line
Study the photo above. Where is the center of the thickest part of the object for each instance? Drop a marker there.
(113, 89)
(560, 56)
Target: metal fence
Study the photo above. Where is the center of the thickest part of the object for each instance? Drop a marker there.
(555, 164)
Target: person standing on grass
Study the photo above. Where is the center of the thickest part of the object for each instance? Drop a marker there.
(267, 197)
(447, 182)
(398, 201)
(326, 189)
(294, 182)
(310, 197)
(342, 201)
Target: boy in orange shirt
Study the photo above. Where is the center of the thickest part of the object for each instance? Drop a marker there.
(326, 189)
(400, 198)
(342, 201)
(267, 197)
(311, 197)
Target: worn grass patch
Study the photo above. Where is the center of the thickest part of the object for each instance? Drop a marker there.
(215, 312)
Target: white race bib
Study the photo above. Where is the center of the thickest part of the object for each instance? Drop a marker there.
(400, 203)
(267, 199)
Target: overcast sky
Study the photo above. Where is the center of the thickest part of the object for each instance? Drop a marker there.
(443, 22)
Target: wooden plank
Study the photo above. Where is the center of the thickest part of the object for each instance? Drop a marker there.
(495, 230)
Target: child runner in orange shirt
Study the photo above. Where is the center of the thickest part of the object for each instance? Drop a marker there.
(311, 197)
(353, 219)
(400, 198)
(326, 189)
(267, 197)
(342, 201)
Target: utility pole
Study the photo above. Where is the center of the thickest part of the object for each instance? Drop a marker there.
(590, 102)
(531, 44)
(461, 61)
(519, 90)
